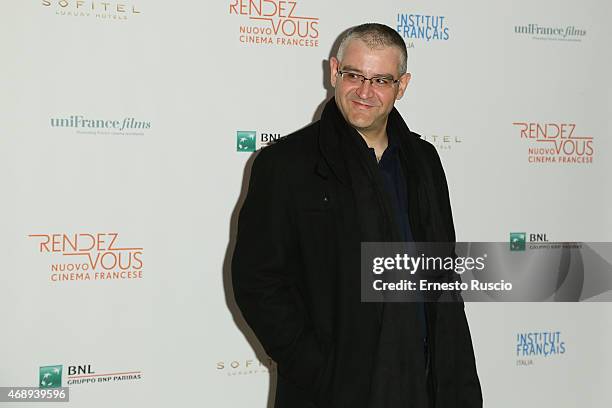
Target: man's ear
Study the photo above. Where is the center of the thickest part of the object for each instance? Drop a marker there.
(333, 70)
(403, 84)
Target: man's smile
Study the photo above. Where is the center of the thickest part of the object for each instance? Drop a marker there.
(362, 105)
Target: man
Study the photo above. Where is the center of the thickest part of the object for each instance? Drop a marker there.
(357, 175)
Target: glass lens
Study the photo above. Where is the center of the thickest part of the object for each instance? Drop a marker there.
(352, 78)
(382, 82)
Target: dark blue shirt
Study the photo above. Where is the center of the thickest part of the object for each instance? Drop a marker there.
(395, 185)
(390, 166)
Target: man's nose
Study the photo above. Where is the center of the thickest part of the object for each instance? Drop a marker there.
(365, 89)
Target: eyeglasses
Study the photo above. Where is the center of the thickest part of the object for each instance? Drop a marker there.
(353, 78)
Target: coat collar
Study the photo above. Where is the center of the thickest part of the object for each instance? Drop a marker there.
(330, 130)
(329, 143)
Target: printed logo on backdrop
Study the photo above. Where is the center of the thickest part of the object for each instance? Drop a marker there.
(533, 347)
(275, 22)
(51, 376)
(555, 143)
(127, 126)
(443, 142)
(244, 367)
(248, 141)
(89, 257)
(559, 33)
(519, 241)
(422, 28)
(99, 10)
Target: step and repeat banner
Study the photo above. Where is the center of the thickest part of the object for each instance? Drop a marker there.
(127, 132)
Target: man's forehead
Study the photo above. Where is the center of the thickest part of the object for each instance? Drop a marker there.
(358, 70)
(384, 58)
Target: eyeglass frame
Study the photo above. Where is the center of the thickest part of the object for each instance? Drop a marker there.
(341, 73)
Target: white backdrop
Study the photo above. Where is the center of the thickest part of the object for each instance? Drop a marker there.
(160, 175)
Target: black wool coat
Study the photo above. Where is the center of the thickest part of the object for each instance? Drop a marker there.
(296, 275)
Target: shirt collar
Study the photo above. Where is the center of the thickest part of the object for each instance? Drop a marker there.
(392, 142)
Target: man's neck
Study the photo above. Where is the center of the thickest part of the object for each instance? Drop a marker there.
(376, 140)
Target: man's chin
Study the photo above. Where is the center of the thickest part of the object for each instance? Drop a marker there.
(360, 125)
(359, 122)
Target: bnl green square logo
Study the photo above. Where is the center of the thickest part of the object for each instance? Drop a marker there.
(245, 140)
(517, 241)
(50, 376)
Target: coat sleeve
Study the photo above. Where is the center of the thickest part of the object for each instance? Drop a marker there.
(453, 321)
(443, 194)
(265, 267)
(445, 210)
